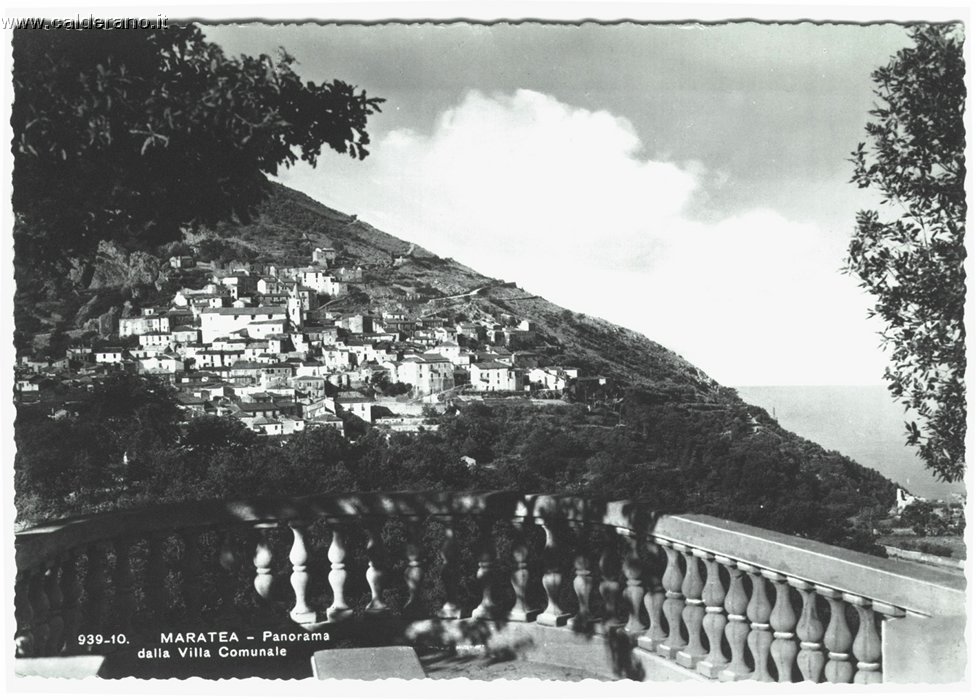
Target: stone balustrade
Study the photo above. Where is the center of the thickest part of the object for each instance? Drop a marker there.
(722, 600)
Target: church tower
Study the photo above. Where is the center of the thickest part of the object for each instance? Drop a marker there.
(295, 311)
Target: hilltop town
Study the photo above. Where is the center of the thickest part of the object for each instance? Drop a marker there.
(262, 343)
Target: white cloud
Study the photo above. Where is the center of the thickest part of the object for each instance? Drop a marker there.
(564, 201)
(533, 176)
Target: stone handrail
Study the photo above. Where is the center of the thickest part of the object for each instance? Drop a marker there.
(726, 600)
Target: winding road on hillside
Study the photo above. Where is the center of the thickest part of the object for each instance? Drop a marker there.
(478, 290)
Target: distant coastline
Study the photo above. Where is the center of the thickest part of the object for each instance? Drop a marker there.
(861, 422)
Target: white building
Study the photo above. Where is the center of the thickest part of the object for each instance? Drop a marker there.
(109, 355)
(265, 426)
(337, 358)
(155, 339)
(208, 357)
(494, 376)
(211, 294)
(133, 326)
(358, 406)
(327, 420)
(266, 328)
(319, 280)
(552, 378)
(903, 498)
(296, 311)
(142, 353)
(291, 425)
(324, 256)
(316, 278)
(310, 368)
(270, 285)
(161, 364)
(186, 334)
(453, 352)
(426, 373)
(215, 323)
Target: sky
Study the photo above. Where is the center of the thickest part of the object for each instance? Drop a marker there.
(688, 181)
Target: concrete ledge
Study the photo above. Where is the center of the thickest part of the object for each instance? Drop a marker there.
(905, 585)
(370, 664)
(924, 650)
(71, 667)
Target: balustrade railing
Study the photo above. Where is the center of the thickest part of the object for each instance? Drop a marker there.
(723, 600)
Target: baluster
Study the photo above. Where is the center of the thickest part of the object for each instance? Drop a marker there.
(553, 615)
(263, 557)
(95, 585)
(156, 576)
(449, 574)
(298, 557)
(810, 632)
(376, 572)
(583, 620)
(713, 596)
(125, 598)
(486, 561)
(783, 621)
(694, 610)
(230, 565)
(520, 576)
(760, 635)
(52, 583)
(867, 642)
(654, 604)
(633, 570)
(192, 567)
(414, 573)
(737, 627)
(674, 602)
(36, 587)
(609, 587)
(71, 592)
(24, 639)
(339, 610)
(837, 639)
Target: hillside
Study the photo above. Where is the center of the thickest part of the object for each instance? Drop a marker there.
(291, 225)
(639, 422)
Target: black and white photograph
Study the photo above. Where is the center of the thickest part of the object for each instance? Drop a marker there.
(615, 347)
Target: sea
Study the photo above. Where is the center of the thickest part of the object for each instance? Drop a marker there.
(861, 422)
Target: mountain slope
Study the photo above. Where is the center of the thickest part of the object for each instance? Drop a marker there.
(291, 224)
(649, 384)
(649, 424)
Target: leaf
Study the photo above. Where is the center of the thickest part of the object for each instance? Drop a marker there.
(912, 265)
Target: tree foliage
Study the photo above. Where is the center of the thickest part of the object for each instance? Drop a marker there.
(929, 521)
(130, 135)
(680, 460)
(910, 257)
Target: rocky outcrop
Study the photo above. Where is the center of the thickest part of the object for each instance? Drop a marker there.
(114, 267)
(104, 324)
(86, 312)
(108, 322)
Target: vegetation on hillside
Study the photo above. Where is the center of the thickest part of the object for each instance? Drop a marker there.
(125, 446)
